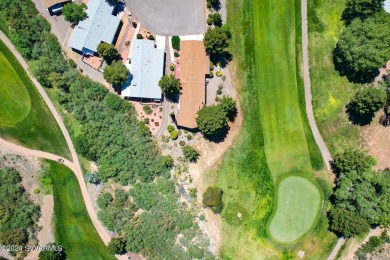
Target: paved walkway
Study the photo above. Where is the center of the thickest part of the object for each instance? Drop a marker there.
(75, 165)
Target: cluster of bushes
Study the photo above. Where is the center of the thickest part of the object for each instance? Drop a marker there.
(18, 214)
(111, 135)
(213, 120)
(372, 245)
(354, 212)
(362, 47)
(214, 18)
(213, 4)
(189, 153)
(154, 232)
(175, 42)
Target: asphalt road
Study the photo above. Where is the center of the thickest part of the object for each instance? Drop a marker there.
(170, 17)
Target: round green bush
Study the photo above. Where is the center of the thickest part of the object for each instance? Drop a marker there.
(37, 190)
(172, 67)
(139, 36)
(151, 37)
(219, 91)
(176, 54)
(211, 74)
(182, 143)
(170, 128)
(173, 135)
(209, 21)
(211, 66)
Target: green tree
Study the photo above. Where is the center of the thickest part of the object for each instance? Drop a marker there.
(361, 9)
(176, 42)
(107, 51)
(212, 120)
(104, 200)
(74, 13)
(17, 236)
(216, 40)
(169, 85)
(228, 105)
(190, 153)
(346, 223)
(54, 254)
(117, 246)
(116, 74)
(362, 48)
(353, 160)
(212, 198)
(368, 101)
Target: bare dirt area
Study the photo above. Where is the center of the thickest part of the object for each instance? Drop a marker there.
(375, 137)
(211, 155)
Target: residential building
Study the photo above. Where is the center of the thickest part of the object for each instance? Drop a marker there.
(146, 64)
(99, 26)
(54, 6)
(194, 67)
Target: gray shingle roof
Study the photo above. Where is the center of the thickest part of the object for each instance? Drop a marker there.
(147, 65)
(99, 26)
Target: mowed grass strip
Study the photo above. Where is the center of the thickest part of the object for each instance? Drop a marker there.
(73, 228)
(286, 145)
(298, 204)
(24, 116)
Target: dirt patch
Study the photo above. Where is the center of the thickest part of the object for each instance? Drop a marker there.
(374, 138)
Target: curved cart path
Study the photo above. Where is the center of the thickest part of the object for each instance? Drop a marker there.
(309, 108)
(75, 164)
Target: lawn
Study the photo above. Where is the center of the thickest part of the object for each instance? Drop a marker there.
(24, 116)
(73, 228)
(331, 92)
(298, 204)
(275, 140)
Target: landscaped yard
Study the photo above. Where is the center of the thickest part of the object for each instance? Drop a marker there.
(73, 228)
(275, 141)
(24, 116)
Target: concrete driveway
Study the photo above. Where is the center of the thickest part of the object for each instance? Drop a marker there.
(170, 17)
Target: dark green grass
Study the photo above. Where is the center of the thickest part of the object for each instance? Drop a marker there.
(38, 130)
(73, 228)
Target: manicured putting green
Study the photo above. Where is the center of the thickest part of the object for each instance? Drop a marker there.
(299, 201)
(15, 102)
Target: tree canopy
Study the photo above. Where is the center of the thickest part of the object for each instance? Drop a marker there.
(361, 9)
(74, 13)
(228, 104)
(367, 101)
(212, 120)
(169, 85)
(216, 40)
(107, 51)
(346, 223)
(363, 48)
(353, 160)
(117, 246)
(116, 74)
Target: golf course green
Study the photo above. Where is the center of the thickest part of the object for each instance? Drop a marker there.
(15, 102)
(298, 204)
(285, 142)
(73, 228)
(24, 116)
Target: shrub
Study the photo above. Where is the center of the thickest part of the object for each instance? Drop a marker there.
(172, 114)
(176, 43)
(209, 20)
(176, 54)
(223, 77)
(189, 137)
(104, 200)
(172, 67)
(211, 74)
(93, 178)
(148, 110)
(190, 153)
(219, 91)
(156, 123)
(127, 43)
(182, 143)
(117, 246)
(173, 135)
(139, 36)
(164, 139)
(134, 24)
(211, 66)
(217, 99)
(212, 198)
(146, 121)
(219, 73)
(37, 190)
(170, 128)
(151, 37)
